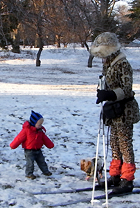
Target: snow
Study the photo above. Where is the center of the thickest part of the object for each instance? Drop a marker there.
(63, 90)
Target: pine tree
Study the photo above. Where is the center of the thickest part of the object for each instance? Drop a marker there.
(135, 17)
(135, 9)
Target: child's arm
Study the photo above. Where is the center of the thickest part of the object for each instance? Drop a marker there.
(47, 142)
(21, 137)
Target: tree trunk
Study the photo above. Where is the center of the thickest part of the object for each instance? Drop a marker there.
(38, 62)
(58, 40)
(16, 44)
(90, 60)
(86, 46)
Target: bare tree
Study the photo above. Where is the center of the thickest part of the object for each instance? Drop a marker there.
(125, 27)
(62, 21)
(104, 19)
(8, 23)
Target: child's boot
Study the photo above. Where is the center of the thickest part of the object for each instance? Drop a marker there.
(48, 173)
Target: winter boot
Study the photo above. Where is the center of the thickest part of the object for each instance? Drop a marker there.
(48, 173)
(124, 186)
(31, 176)
(111, 181)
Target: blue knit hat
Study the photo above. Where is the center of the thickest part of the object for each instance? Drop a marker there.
(34, 118)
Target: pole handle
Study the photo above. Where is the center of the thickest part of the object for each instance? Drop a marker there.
(101, 83)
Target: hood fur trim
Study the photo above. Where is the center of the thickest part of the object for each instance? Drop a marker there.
(105, 44)
(103, 51)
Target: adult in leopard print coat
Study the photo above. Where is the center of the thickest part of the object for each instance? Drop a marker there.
(118, 81)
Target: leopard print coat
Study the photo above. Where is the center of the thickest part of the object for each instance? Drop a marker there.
(119, 78)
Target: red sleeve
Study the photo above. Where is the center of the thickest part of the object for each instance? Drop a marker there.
(47, 142)
(21, 137)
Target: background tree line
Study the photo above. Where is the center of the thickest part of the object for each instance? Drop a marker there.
(37, 23)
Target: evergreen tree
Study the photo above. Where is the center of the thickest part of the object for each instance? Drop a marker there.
(135, 9)
(135, 18)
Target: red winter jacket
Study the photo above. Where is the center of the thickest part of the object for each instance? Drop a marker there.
(31, 138)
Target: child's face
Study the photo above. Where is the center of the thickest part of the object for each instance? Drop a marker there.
(39, 123)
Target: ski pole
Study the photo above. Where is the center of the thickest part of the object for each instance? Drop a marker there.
(97, 147)
(96, 159)
(106, 188)
(100, 86)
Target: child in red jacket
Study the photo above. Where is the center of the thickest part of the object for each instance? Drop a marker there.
(32, 137)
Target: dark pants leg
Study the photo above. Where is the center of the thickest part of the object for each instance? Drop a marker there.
(29, 157)
(40, 160)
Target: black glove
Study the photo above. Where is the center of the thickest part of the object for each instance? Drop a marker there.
(105, 95)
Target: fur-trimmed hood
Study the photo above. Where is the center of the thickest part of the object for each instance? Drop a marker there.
(104, 45)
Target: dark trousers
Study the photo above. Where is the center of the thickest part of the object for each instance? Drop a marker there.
(30, 157)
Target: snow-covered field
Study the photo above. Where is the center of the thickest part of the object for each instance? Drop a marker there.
(63, 90)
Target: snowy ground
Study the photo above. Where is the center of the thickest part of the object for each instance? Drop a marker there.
(63, 90)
